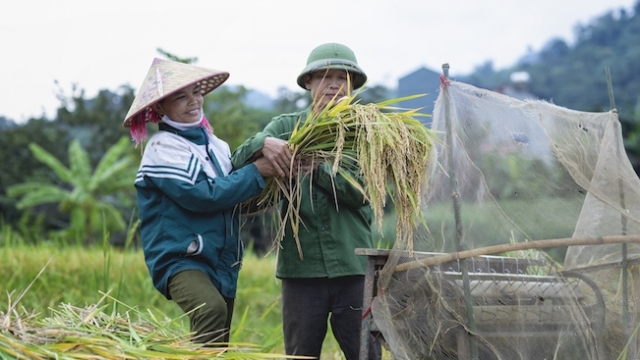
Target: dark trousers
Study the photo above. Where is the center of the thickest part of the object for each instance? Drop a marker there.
(307, 304)
(211, 322)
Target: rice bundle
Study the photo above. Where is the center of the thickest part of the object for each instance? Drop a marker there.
(385, 148)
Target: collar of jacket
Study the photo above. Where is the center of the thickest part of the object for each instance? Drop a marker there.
(195, 135)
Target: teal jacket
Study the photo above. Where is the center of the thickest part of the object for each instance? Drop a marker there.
(332, 226)
(187, 197)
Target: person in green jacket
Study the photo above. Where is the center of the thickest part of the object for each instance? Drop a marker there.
(188, 196)
(326, 284)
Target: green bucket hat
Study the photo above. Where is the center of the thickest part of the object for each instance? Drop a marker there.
(333, 56)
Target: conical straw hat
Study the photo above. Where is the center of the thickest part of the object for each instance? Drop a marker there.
(163, 79)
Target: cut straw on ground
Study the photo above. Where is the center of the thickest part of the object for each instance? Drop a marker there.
(95, 333)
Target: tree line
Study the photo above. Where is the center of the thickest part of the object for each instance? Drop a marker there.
(58, 179)
(574, 75)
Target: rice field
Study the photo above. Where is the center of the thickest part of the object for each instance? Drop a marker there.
(56, 299)
(91, 296)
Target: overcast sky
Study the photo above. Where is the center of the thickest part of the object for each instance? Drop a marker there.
(262, 43)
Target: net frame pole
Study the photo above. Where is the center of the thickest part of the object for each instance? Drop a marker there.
(534, 244)
(624, 279)
(455, 197)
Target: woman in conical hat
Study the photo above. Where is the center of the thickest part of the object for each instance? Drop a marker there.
(187, 196)
(163, 79)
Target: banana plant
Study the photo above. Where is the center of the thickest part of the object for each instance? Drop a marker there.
(89, 197)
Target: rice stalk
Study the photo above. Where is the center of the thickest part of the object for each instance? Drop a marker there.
(380, 149)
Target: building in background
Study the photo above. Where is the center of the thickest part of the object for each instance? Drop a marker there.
(517, 87)
(421, 81)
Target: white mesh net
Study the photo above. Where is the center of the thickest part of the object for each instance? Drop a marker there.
(512, 171)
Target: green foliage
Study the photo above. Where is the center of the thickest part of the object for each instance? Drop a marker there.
(573, 75)
(95, 122)
(291, 101)
(18, 163)
(483, 225)
(86, 196)
(631, 130)
(514, 177)
(231, 119)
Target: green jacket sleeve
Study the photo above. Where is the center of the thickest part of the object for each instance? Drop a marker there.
(247, 151)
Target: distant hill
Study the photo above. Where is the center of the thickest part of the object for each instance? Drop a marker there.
(573, 75)
(259, 100)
